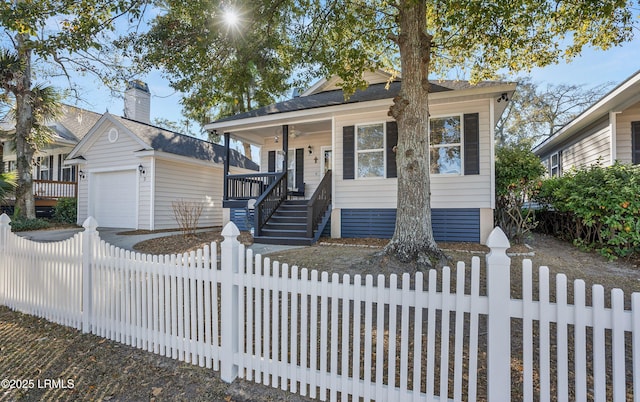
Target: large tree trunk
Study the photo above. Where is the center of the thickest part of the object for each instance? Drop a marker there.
(413, 237)
(25, 202)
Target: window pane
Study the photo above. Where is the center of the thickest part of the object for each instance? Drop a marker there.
(445, 130)
(446, 160)
(371, 164)
(370, 137)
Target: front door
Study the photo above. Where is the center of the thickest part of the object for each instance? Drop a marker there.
(327, 159)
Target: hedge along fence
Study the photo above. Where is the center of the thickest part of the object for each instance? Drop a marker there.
(595, 207)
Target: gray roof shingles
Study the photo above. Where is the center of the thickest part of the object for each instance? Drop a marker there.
(336, 97)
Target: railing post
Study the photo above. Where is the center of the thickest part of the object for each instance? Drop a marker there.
(499, 328)
(5, 230)
(89, 237)
(229, 320)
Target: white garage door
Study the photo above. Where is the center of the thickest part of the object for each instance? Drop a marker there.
(114, 199)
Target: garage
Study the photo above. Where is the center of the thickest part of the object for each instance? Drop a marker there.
(114, 199)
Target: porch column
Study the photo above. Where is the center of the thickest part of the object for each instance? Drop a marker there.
(285, 146)
(227, 155)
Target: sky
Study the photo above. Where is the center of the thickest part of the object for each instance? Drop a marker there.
(594, 67)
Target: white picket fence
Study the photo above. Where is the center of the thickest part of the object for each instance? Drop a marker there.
(339, 337)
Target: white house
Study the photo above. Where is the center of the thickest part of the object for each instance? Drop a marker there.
(606, 132)
(320, 131)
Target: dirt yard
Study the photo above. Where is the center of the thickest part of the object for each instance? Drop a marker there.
(85, 367)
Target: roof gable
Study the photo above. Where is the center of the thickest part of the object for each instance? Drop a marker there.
(154, 138)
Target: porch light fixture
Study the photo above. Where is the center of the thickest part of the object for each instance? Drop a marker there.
(503, 97)
(141, 169)
(310, 149)
(275, 139)
(81, 175)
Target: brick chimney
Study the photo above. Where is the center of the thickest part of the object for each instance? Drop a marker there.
(137, 102)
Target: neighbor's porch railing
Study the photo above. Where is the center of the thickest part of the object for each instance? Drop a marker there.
(51, 189)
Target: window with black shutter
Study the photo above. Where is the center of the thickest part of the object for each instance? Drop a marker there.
(635, 142)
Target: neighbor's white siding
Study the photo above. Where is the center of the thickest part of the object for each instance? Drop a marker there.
(184, 181)
(594, 147)
(623, 135)
(448, 191)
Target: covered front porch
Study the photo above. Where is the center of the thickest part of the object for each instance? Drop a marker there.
(289, 200)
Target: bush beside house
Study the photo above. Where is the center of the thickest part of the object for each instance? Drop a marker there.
(518, 179)
(595, 207)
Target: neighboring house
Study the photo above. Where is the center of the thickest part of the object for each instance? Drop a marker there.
(126, 172)
(52, 178)
(606, 132)
(335, 158)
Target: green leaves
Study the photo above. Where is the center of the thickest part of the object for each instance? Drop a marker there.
(603, 204)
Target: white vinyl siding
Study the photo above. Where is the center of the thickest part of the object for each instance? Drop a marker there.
(448, 191)
(183, 181)
(589, 150)
(104, 156)
(623, 135)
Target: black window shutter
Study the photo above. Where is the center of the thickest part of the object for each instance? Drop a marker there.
(271, 164)
(59, 167)
(635, 142)
(392, 141)
(471, 144)
(300, 169)
(348, 153)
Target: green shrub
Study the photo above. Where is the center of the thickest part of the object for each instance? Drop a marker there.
(22, 224)
(66, 211)
(597, 207)
(518, 178)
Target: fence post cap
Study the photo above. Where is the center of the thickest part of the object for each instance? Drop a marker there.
(4, 219)
(497, 239)
(90, 223)
(230, 230)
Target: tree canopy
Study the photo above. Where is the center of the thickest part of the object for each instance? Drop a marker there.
(221, 65)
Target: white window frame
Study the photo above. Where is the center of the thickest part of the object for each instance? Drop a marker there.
(49, 168)
(460, 144)
(65, 168)
(555, 166)
(357, 151)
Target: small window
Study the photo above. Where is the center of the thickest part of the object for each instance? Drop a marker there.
(66, 171)
(446, 145)
(44, 168)
(370, 158)
(11, 166)
(554, 165)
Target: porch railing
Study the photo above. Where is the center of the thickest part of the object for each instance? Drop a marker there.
(269, 201)
(248, 186)
(318, 203)
(52, 190)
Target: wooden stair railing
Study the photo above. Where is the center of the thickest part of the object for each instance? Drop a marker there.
(269, 201)
(318, 203)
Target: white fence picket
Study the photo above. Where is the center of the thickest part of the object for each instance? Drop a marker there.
(326, 338)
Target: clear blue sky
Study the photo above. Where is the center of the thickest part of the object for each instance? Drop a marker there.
(594, 67)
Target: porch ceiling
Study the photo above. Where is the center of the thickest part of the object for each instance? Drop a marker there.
(257, 134)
